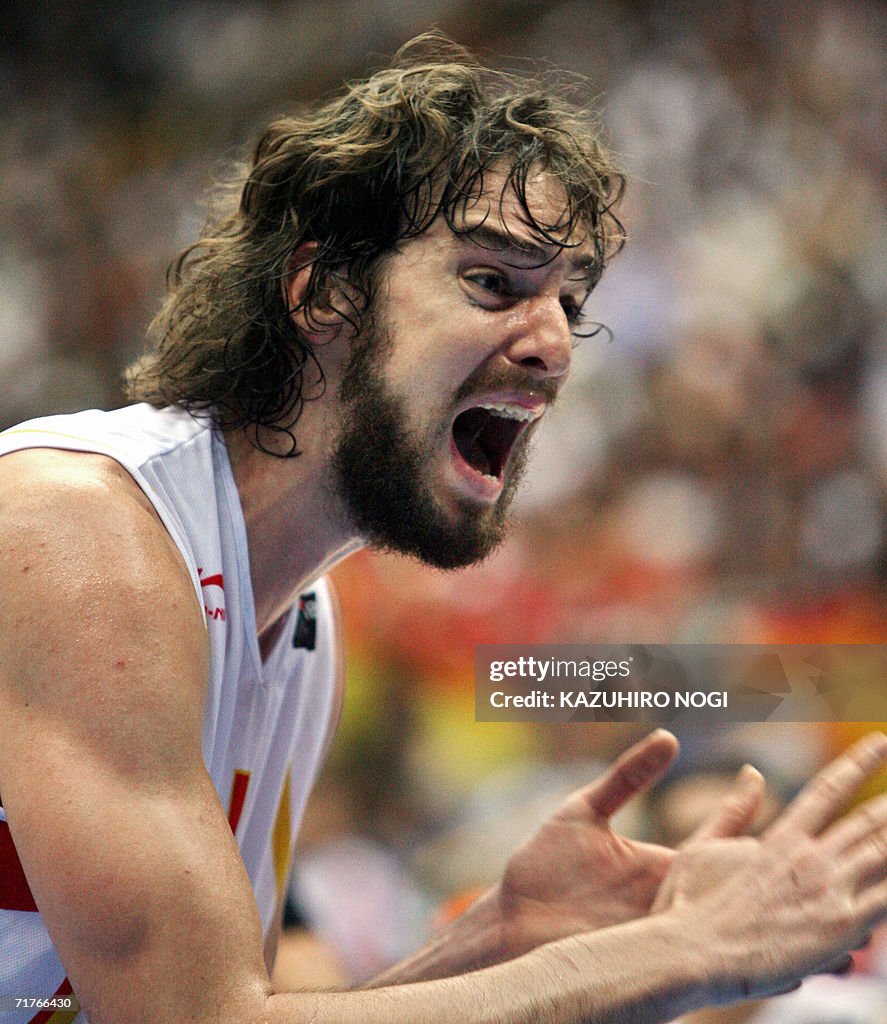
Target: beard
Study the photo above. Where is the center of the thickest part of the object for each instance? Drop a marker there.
(381, 473)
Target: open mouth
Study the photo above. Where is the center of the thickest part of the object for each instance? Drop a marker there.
(484, 435)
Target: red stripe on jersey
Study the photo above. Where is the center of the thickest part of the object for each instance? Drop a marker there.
(15, 893)
(44, 1016)
(238, 797)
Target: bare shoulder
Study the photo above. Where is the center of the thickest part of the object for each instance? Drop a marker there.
(48, 481)
(97, 608)
(68, 517)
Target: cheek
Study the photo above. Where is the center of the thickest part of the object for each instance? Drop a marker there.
(439, 339)
(429, 368)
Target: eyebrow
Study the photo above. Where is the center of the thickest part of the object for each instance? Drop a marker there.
(496, 239)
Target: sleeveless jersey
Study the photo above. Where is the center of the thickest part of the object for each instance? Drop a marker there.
(265, 725)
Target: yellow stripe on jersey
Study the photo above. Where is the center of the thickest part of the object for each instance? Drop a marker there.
(281, 837)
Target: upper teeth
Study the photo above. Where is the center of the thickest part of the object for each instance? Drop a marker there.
(512, 412)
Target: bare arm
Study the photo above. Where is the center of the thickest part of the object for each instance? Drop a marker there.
(127, 850)
(103, 662)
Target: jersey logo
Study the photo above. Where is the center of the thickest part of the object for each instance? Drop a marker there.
(212, 581)
(218, 580)
(306, 624)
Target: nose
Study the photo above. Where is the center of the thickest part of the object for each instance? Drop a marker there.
(543, 344)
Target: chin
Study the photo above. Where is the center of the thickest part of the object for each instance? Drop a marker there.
(444, 540)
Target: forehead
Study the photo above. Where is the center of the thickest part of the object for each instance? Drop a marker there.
(535, 224)
(494, 201)
(531, 230)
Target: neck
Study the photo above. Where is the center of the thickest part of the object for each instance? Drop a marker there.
(295, 525)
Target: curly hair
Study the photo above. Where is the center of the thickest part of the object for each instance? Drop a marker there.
(356, 176)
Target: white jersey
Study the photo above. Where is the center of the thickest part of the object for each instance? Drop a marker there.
(265, 725)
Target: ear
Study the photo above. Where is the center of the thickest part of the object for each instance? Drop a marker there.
(324, 315)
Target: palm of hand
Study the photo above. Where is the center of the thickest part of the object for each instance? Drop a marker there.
(576, 875)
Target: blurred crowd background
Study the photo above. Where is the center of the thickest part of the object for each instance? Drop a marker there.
(716, 471)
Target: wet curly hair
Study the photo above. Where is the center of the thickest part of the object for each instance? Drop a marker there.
(357, 175)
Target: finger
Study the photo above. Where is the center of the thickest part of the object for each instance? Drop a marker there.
(857, 827)
(634, 771)
(843, 965)
(867, 861)
(790, 988)
(793, 987)
(737, 810)
(828, 793)
(873, 905)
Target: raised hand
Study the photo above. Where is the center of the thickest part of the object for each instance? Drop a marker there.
(797, 900)
(577, 874)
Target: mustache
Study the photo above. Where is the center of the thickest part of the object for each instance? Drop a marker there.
(511, 378)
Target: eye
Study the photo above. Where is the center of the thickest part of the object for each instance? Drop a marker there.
(490, 285)
(572, 309)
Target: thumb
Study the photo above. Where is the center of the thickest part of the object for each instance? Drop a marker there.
(634, 771)
(736, 811)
